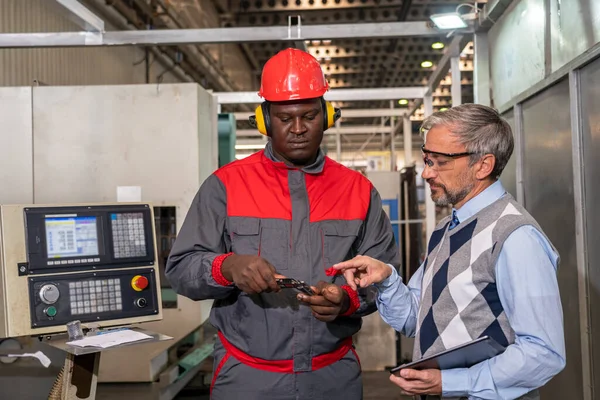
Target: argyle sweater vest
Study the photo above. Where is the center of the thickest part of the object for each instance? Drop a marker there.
(459, 298)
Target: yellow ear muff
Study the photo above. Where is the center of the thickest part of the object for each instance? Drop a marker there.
(260, 120)
(331, 114)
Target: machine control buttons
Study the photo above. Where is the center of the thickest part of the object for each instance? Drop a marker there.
(50, 311)
(49, 293)
(93, 296)
(141, 302)
(139, 283)
(128, 235)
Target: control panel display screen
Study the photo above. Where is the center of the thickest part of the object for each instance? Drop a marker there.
(89, 237)
(71, 236)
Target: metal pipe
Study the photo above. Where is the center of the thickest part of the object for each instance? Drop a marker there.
(392, 144)
(216, 35)
(116, 19)
(429, 204)
(456, 87)
(407, 135)
(348, 113)
(82, 16)
(413, 92)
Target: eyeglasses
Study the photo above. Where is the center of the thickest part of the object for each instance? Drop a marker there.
(441, 161)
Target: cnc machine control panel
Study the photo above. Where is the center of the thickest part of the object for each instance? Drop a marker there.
(93, 263)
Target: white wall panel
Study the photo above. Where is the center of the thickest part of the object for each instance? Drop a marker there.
(575, 28)
(517, 50)
(16, 146)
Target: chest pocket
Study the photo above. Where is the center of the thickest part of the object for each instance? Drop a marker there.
(339, 240)
(251, 236)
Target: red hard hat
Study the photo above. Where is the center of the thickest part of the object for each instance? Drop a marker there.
(292, 74)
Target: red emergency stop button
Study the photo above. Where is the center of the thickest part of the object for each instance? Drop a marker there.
(139, 283)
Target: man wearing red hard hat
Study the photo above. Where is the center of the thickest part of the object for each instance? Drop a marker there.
(285, 212)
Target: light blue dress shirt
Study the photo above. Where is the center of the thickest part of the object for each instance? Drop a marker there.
(528, 289)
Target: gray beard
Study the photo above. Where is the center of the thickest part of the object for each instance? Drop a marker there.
(447, 198)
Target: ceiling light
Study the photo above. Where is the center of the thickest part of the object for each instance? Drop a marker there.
(437, 46)
(426, 64)
(403, 102)
(448, 21)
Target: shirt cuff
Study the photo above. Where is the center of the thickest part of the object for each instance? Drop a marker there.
(455, 382)
(354, 301)
(216, 270)
(389, 281)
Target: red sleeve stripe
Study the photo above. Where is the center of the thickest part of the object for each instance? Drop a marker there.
(216, 270)
(354, 301)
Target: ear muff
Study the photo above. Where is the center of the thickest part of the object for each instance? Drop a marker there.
(330, 114)
(261, 119)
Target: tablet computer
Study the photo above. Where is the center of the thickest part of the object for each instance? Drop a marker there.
(462, 356)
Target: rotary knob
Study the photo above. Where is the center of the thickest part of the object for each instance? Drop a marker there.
(49, 293)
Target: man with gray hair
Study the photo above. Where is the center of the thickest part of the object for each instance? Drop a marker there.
(489, 270)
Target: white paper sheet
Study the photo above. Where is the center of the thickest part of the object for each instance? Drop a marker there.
(128, 194)
(110, 339)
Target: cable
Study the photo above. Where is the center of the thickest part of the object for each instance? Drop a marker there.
(473, 7)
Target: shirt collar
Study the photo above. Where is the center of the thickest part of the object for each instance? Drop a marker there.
(479, 202)
(314, 168)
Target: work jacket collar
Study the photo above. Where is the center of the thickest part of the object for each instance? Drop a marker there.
(314, 168)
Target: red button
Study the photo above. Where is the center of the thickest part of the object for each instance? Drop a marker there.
(139, 283)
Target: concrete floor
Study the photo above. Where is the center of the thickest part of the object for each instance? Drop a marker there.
(377, 386)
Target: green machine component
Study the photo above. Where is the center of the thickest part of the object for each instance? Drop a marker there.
(226, 128)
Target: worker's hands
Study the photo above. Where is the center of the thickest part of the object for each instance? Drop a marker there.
(328, 302)
(414, 382)
(363, 271)
(251, 274)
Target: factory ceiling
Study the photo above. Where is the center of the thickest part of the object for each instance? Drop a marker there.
(368, 62)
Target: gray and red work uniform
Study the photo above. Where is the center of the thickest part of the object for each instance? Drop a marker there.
(302, 221)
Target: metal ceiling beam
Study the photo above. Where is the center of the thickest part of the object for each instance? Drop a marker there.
(292, 6)
(441, 69)
(82, 16)
(492, 11)
(349, 113)
(414, 92)
(215, 35)
(343, 130)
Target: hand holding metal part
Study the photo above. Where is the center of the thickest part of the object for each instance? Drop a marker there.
(328, 302)
(252, 274)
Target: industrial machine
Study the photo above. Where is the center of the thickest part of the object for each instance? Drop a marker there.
(93, 265)
(116, 144)
(88, 263)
